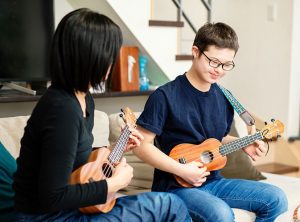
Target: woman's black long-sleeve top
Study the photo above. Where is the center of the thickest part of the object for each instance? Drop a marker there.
(57, 140)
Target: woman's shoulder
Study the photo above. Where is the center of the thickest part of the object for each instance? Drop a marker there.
(58, 100)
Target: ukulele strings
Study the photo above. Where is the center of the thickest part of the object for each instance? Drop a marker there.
(123, 141)
(231, 147)
(249, 140)
(112, 159)
(117, 153)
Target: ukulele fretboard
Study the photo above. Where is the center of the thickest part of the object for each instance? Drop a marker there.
(239, 143)
(118, 150)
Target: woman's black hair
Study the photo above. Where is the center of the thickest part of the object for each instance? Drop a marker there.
(84, 46)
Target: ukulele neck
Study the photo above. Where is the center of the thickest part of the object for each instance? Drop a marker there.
(118, 150)
(239, 143)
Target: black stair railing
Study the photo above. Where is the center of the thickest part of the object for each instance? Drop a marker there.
(180, 12)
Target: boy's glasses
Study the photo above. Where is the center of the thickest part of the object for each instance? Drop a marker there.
(216, 63)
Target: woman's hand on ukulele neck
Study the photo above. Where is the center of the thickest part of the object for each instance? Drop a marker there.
(194, 173)
(121, 177)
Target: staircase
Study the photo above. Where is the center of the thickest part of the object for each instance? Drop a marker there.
(159, 43)
(158, 40)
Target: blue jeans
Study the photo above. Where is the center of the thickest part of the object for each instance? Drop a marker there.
(212, 202)
(148, 207)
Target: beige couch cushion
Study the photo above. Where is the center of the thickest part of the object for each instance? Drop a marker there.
(101, 129)
(12, 130)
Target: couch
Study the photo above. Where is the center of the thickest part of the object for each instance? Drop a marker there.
(106, 131)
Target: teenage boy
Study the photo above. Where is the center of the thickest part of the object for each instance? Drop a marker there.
(191, 109)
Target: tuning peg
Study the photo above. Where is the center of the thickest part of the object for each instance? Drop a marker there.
(266, 123)
(122, 110)
(272, 120)
(122, 116)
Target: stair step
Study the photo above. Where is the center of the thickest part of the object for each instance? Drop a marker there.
(277, 168)
(166, 23)
(183, 57)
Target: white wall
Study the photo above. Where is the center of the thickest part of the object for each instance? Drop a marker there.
(294, 93)
(265, 78)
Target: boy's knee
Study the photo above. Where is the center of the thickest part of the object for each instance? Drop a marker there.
(282, 201)
(225, 214)
(278, 200)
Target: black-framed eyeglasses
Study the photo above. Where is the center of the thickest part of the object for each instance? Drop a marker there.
(216, 63)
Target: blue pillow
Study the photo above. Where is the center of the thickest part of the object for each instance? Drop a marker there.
(8, 167)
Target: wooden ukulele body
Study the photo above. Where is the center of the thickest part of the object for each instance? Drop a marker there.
(207, 153)
(94, 170)
(213, 154)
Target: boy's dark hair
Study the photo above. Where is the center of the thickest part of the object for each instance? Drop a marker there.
(217, 34)
(84, 45)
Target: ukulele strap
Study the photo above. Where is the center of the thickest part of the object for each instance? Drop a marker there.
(243, 113)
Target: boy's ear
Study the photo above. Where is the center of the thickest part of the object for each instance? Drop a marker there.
(195, 52)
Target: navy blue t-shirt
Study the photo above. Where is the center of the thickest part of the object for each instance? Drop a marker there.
(179, 113)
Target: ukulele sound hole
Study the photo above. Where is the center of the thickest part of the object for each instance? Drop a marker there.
(206, 157)
(107, 170)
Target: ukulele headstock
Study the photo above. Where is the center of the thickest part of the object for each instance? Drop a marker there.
(128, 117)
(273, 130)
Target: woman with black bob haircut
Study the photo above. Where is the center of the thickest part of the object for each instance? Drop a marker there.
(76, 61)
(58, 136)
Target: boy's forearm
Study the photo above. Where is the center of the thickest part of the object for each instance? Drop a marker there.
(156, 158)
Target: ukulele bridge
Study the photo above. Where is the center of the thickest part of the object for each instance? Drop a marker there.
(182, 160)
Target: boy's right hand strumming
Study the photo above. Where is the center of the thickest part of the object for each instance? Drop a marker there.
(194, 173)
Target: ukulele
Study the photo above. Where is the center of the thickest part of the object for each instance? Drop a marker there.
(101, 165)
(212, 154)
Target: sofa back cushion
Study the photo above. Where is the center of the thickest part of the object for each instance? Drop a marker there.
(101, 129)
(12, 130)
